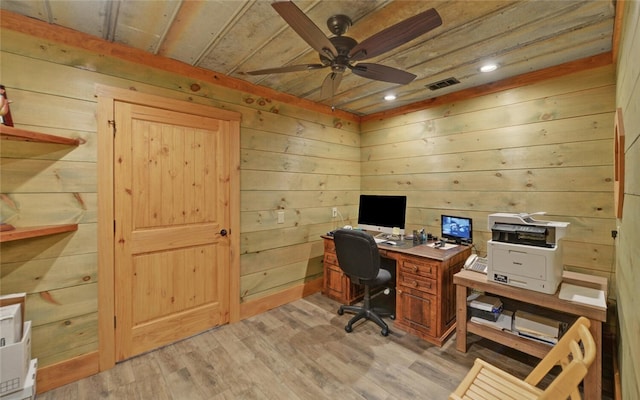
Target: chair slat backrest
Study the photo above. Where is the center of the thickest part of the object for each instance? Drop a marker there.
(574, 352)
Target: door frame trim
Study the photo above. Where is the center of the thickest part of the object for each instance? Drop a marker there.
(107, 96)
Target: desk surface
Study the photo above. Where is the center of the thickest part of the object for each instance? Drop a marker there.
(419, 250)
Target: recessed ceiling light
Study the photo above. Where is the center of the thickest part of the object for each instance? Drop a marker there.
(488, 68)
(390, 97)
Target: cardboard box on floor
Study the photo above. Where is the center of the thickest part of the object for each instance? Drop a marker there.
(28, 390)
(15, 358)
(10, 324)
(16, 298)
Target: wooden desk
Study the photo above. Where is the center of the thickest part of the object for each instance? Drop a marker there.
(465, 280)
(425, 293)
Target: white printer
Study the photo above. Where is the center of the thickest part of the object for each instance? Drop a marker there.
(525, 252)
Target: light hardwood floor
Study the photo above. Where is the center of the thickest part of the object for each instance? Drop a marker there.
(298, 351)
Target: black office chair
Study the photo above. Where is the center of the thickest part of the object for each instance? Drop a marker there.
(359, 258)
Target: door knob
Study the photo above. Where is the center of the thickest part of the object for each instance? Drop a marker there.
(223, 232)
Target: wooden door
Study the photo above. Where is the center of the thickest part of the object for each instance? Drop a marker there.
(171, 199)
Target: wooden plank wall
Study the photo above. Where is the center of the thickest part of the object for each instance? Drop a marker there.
(542, 147)
(628, 251)
(295, 160)
(546, 146)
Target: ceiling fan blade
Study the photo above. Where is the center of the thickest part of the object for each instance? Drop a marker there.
(383, 73)
(290, 68)
(330, 85)
(305, 28)
(396, 35)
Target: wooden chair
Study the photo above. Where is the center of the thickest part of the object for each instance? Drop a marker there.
(574, 352)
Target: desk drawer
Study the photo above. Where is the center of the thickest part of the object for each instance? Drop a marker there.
(329, 246)
(417, 313)
(331, 259)
(416, 266)
(418, 282)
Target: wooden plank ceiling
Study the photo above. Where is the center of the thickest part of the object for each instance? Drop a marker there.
(235, 36)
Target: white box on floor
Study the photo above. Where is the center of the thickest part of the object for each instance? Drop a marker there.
(10, 324)
(14, 362)
(15, 298)
(28, 391)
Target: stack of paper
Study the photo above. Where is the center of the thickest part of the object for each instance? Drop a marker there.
(486, 303)
(581, 294)
(503, 323)
(483, 306)
(537, 327)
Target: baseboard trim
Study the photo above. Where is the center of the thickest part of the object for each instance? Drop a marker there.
(266, 303)
(68, 371)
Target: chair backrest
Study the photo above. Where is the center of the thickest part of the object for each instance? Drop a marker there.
(358, 254)
(574, 352)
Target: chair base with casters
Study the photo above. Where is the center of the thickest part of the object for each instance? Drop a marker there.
(574, 352)
(369, 312)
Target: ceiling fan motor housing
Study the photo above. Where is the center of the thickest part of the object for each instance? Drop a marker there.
(343, 45)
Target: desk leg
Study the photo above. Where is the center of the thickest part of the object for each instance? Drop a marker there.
(461, 318)
(593, 380)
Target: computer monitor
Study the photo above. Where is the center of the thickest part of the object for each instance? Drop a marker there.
(456, 229)
(382, 213)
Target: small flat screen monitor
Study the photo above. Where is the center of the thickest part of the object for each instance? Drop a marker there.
(382, 213)
(456, 229)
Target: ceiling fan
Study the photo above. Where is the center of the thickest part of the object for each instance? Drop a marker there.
(342, 52)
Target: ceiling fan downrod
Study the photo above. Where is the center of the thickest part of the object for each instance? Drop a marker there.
(339, 24)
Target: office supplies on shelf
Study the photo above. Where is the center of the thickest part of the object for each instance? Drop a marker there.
(504, 322)
(538, 325)
(484, 307)
(485, 303)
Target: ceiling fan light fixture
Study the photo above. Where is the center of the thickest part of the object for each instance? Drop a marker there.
(390, 97)
(488, 67)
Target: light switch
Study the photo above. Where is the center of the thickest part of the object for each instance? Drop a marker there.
(281, 216)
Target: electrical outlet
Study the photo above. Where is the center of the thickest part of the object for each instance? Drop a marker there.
(280, 216)
(334, 212)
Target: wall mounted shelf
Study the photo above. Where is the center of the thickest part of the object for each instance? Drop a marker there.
(35, 231)
(13, 133)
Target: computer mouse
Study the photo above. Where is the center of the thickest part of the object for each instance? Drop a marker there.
(391, 242)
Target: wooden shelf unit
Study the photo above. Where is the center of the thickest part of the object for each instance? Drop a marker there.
(35, 231)
(12, 133)
(465, 280)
